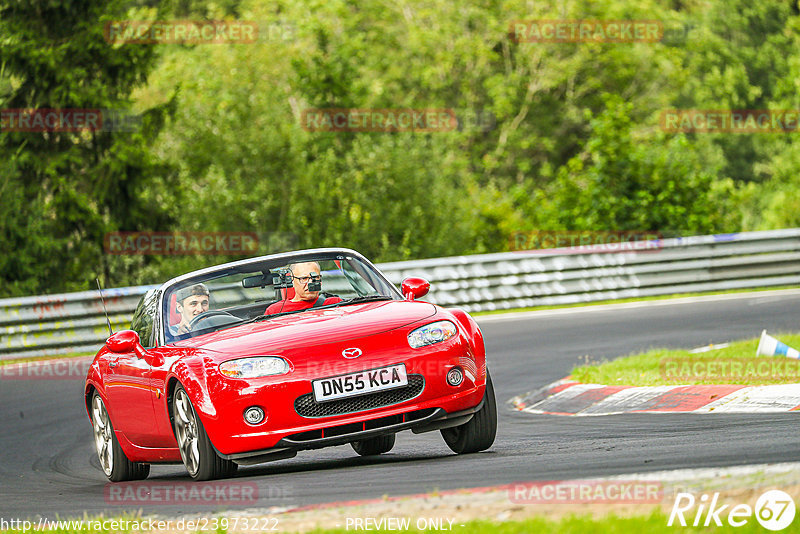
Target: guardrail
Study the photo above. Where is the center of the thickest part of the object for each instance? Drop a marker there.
(72, 322)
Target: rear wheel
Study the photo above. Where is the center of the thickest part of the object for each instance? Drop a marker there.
(197, 453)
(113, 461)
(478, 433)
(373, 446)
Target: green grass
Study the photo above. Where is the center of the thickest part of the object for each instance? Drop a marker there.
(656, 522)
(632, 299)
(670, 367)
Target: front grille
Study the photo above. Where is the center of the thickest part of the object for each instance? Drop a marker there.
(306, 406)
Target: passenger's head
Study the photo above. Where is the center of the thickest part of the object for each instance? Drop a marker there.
(192, 301)
(301, 276)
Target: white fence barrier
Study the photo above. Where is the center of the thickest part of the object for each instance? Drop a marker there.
(70, 322)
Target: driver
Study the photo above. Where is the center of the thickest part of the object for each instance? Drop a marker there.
(191, 302)
(303, 297)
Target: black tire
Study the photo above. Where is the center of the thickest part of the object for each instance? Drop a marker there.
(478, 433)
(113, 462)
(373, 446)
(198, 455)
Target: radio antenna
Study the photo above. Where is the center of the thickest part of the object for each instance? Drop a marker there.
(108, 322)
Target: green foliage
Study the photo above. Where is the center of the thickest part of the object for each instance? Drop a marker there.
(62, 191)
(570, 137)
(740, 55)
(624, 183)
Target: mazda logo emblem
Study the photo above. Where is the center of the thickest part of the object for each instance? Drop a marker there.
(351, 352)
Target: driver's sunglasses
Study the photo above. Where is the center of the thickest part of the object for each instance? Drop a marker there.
(307, 279)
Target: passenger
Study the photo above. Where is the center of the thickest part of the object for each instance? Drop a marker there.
(302, 274)
(191, 302)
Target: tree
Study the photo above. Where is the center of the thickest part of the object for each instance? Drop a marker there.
(62, 190)
(624, 183)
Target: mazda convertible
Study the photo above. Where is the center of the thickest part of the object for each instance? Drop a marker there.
(255, 360)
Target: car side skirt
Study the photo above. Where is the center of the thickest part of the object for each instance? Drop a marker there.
(149, 455)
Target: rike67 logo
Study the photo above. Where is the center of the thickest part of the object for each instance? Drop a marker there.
(774, 510)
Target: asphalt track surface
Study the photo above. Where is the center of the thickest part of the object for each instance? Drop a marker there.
(48, 466)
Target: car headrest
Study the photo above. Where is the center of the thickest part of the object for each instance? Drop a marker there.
(174, 316)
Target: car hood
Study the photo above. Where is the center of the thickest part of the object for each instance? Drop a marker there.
(312, 328)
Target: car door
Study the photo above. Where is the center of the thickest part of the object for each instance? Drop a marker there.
(128, 382)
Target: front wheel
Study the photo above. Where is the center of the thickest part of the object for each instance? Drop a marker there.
(373, 446)
(478, 433)
(113, 461)
(197, 453)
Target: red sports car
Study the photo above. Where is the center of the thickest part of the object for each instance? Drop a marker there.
(254, 360)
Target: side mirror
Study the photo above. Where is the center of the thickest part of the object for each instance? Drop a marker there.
(128, 341)
(123, 341)
(414, 288)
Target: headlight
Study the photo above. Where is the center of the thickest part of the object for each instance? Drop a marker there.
(255, 367)
(431, 333)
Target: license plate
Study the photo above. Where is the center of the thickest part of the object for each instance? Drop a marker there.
(393, 376)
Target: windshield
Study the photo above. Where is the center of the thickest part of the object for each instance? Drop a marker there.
(258, 291)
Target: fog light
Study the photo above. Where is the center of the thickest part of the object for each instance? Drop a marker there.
(455, 376)
(254, 415)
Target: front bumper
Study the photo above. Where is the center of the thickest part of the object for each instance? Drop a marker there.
(290, 413)
(417, 421)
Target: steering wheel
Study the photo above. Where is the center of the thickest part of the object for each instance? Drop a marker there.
(193, 325)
